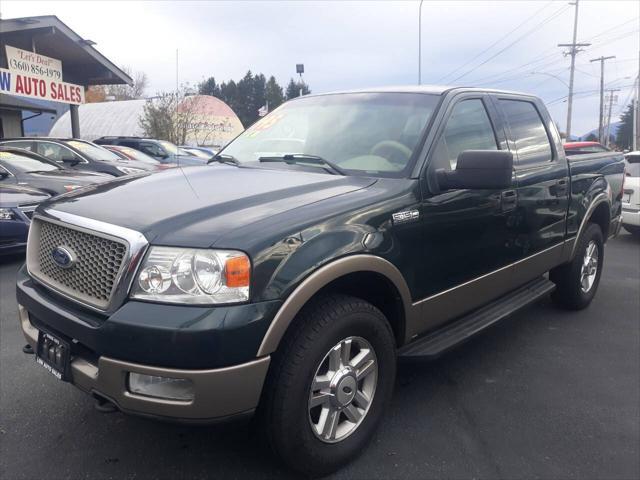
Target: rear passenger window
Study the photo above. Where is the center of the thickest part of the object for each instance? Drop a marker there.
(528, 132)
(468, 128)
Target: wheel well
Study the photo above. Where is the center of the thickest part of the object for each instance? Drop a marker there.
(376, 289)
(601, 217)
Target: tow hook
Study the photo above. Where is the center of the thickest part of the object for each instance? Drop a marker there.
(28, 349)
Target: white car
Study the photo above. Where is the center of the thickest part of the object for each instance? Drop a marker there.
(631, 194)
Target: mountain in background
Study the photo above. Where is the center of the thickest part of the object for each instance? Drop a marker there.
(613, 130)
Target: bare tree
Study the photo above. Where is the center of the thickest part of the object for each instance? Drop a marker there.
(127, 92)
(172, 116)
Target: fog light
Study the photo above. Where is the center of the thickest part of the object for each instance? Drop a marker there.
(161, 387)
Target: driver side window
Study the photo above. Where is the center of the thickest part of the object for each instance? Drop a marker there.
(55, 152)
(468, 128)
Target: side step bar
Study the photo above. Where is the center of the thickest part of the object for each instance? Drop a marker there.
(434, 344)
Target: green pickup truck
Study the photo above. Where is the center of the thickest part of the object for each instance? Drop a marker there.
(336, 235)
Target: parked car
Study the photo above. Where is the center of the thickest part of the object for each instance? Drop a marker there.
(580, 148)
(631, 194)
(200, 152)
(22, 167)
(161, 150)
(17, 203)
(129, 153)
(79, 155)
(407, 220)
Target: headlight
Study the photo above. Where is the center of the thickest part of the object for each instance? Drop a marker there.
(194, 276)
(7, 214)
(129, 170)
(70, 188)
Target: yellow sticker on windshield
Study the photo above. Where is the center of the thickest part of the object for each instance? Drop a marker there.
(6, 155)
(265, 124)
(79, 145)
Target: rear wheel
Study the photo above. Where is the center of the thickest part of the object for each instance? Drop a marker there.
(632, 229)
(329, 384)
(577, 281)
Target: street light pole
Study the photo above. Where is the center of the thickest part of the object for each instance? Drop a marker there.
(600, 121)
(420, 43)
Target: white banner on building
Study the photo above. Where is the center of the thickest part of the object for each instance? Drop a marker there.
(37, 76)
(33, 64)
(13, 83)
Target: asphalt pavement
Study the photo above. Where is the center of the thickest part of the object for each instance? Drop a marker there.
(545, 394)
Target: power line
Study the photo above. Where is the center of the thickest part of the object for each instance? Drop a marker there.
(496, 42)
(538, 26)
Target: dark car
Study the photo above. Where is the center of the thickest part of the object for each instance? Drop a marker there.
(79, 155)
(288, 277)
(129, 153)
(161, 150)
(22, 167)
(17, 203)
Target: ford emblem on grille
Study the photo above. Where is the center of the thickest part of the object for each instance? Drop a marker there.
(63, 257)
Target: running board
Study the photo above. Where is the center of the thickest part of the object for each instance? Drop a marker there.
(434, 344)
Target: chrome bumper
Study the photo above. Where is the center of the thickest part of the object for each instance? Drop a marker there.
(218, 393)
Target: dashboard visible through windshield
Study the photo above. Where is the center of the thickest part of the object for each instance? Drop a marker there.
(361, 133)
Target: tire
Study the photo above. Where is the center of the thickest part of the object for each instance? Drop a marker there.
(576, 282)
(293, 428)
(632, 229)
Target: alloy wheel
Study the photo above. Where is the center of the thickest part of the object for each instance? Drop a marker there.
(342, 389)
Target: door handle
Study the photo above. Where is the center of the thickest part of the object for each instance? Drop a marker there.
(509, 200)
(562, 187)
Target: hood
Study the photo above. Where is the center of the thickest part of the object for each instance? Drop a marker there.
(195, 206)
(14, 195)
(54, 181)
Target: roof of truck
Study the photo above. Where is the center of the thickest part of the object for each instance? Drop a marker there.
(429, 89)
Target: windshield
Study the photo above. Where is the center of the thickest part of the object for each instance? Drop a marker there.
(137, 155)
(362, 133)
(94, 152)
(24, 163)
(169, 147)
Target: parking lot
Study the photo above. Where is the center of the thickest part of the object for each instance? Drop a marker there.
(546, 394)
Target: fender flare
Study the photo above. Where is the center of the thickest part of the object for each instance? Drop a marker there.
(599, 199)
(322, 277)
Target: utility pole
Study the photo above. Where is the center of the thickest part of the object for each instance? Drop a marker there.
(601, 119)
(574, 48)
(607, 129)
(635, 136)
(420, 43)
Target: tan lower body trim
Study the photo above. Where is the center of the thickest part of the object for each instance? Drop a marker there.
(218, 392)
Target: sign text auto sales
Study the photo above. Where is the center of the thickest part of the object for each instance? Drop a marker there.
(37, 76)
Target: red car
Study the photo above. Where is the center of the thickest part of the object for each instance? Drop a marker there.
(579, 148)
(133, 154)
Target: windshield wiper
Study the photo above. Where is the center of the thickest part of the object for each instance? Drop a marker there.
(223, 158)
(304, 158)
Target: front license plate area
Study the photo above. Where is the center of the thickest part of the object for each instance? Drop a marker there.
(54, 354)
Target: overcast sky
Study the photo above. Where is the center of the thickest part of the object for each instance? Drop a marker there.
(367, 43)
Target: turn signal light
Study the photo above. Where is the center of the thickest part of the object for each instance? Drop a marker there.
(237, 272)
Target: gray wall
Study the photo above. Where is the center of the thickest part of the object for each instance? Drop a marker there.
(11, 123)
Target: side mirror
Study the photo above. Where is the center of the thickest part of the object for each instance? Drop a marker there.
(3, 174)
(71, 161)
(478, 170)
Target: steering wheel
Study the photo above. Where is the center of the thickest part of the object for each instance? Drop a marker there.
(396, 147)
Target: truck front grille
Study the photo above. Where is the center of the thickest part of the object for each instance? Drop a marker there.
(97, 262)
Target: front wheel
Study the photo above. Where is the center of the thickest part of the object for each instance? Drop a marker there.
(577, 281)
(329, 384)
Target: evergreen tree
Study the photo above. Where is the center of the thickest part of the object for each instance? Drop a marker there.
(274, 95)
(624, 135)
(209, 87)
(293, 89)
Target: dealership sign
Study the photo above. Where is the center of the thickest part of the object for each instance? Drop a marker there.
(37, 76)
